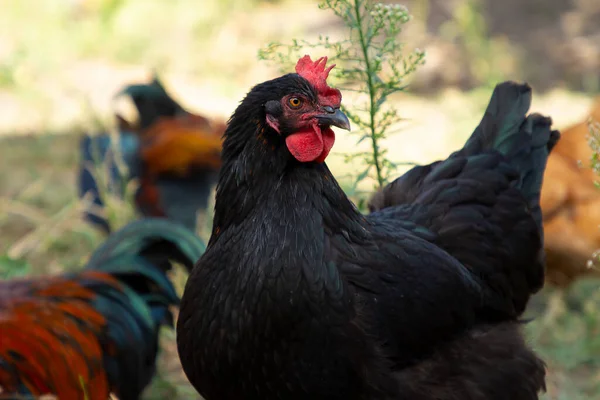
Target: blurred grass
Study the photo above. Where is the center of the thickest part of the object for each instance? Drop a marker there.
(67, 51)
(566, 334)
(131, 31)
(40, 192)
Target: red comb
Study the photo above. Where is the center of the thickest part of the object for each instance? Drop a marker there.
(316, 73)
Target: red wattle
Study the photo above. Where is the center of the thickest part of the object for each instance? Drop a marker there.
(311, 144)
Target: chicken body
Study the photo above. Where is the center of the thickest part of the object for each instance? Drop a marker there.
(88, 334)
(571, 205)
(173, 153)
(299, 296)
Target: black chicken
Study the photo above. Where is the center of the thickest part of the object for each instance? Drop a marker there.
(300, 296)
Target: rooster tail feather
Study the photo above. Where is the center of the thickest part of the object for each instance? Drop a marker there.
(155, 239)
(96, 157)
(502, 119)
(132, 332)
(139, 256)
(93, 151)
(525, 140)
(98, 327)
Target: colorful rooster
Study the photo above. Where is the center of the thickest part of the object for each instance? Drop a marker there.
(174, 154)
(88, 334)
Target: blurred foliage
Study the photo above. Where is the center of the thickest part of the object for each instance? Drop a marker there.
(566, 334)
(486, 55)
(157, 33)
(117, 211)
(13, 268)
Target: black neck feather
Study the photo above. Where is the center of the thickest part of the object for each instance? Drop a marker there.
(258, 171)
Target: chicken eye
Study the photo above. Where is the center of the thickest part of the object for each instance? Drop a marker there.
(295, 102)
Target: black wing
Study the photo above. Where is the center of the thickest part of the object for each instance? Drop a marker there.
(481, 204)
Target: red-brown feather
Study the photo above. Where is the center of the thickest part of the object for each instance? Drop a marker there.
(51, 337)
(174, 145)
(94, 333)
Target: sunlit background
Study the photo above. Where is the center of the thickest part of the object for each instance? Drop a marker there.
(61, 62)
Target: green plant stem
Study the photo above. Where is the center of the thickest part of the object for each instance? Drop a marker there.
(372, 110)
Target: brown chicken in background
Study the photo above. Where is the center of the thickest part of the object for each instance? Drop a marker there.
(571, 205)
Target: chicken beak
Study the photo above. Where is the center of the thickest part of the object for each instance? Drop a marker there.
(334, 117)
